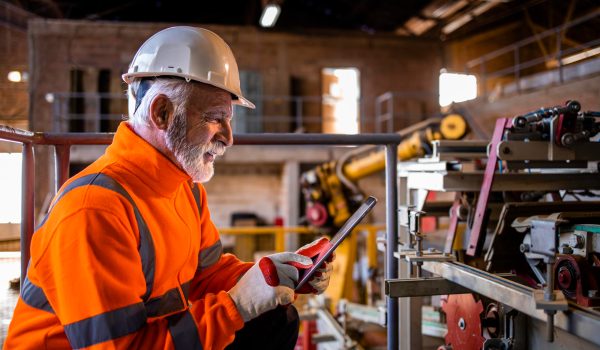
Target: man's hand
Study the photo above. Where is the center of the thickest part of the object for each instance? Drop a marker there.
(320, 280)
(269, 283)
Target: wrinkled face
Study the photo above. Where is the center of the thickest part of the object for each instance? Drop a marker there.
(201, 131)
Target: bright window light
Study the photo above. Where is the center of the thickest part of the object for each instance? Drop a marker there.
(343, 96)
(457, 88)
(10, 188)
(269, 15)
(14, 76)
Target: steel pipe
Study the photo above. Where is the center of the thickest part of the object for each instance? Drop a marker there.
(419, 287)
(11, 134)
(27, 206)
(316, 139)
(240, 139)
(62, 141)
(61, 165)
(391, 271)
(76, 138)
(23, 136)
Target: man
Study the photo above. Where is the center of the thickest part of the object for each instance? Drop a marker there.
(128, 257)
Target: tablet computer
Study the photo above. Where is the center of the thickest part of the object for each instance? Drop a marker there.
(346, 229)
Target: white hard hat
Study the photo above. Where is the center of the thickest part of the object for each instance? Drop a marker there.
(190, 53)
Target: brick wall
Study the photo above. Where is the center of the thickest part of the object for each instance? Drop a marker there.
(14, 98)
(250, 189)
(261, 190)
(386, 63)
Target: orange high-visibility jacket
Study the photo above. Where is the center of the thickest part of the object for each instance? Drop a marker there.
(128, 258)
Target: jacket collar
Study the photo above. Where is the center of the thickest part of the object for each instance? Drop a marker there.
(141, 158)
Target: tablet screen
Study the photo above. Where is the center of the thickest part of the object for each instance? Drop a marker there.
(346, 229)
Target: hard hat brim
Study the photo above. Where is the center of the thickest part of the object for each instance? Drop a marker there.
(240, 99)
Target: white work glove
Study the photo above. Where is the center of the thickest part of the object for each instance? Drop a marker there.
(320, 280)
(269, 283)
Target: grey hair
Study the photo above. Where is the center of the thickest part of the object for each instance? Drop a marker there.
(177, 90)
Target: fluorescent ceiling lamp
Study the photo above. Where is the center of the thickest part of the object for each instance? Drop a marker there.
(447, 9)
(581, 56)
(418, 26)
(269, 15)
(457, 88)
(469, 16)
(574, 58)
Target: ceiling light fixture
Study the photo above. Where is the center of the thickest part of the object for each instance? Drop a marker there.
(418, 26)
(591, 52)
(469, 16)
(269, 15)
(581, 56)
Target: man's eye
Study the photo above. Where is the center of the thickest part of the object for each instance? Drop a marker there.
(212, 119)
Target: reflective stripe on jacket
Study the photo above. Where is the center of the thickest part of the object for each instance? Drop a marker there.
(128, 258)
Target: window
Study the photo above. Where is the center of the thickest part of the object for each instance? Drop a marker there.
(76, 112)
(456, 88)
(247, 120)
(341, 100)
(10, 188)
(91, 105)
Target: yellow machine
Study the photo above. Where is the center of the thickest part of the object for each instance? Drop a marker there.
(330, 189)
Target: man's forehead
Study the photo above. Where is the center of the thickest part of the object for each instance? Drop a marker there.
(211, 98)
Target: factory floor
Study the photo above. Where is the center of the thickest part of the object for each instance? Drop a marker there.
(9, 269)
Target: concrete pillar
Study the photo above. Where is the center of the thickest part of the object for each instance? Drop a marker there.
(290, 200)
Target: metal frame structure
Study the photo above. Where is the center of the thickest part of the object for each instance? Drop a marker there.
(441, 173)
(386, 109)
(457, 278)
(515, 70)
(62, 143)
(62, 115)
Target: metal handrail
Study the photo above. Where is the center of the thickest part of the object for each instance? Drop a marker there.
(386, 111)
(63, 141)
(62, 113)
(536, 61)
(252, 97)
(518, 66)
(8, 133)
(552, 31)
(296, 115)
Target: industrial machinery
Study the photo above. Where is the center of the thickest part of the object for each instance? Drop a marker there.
(519, 264)
(331, 193)
(330, 190)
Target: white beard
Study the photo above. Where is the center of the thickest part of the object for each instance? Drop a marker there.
(192, 161)
(191, 157)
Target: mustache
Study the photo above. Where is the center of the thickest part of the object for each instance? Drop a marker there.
(217, 148)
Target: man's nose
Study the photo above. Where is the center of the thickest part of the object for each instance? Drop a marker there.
(226, 134)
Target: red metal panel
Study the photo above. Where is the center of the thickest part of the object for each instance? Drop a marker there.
(474, 247)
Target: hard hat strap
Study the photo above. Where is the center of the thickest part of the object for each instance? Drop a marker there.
(143, 88)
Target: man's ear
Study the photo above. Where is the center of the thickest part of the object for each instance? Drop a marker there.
(161, 111)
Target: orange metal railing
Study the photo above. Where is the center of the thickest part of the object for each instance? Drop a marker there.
(63, 141)
(62, 144)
